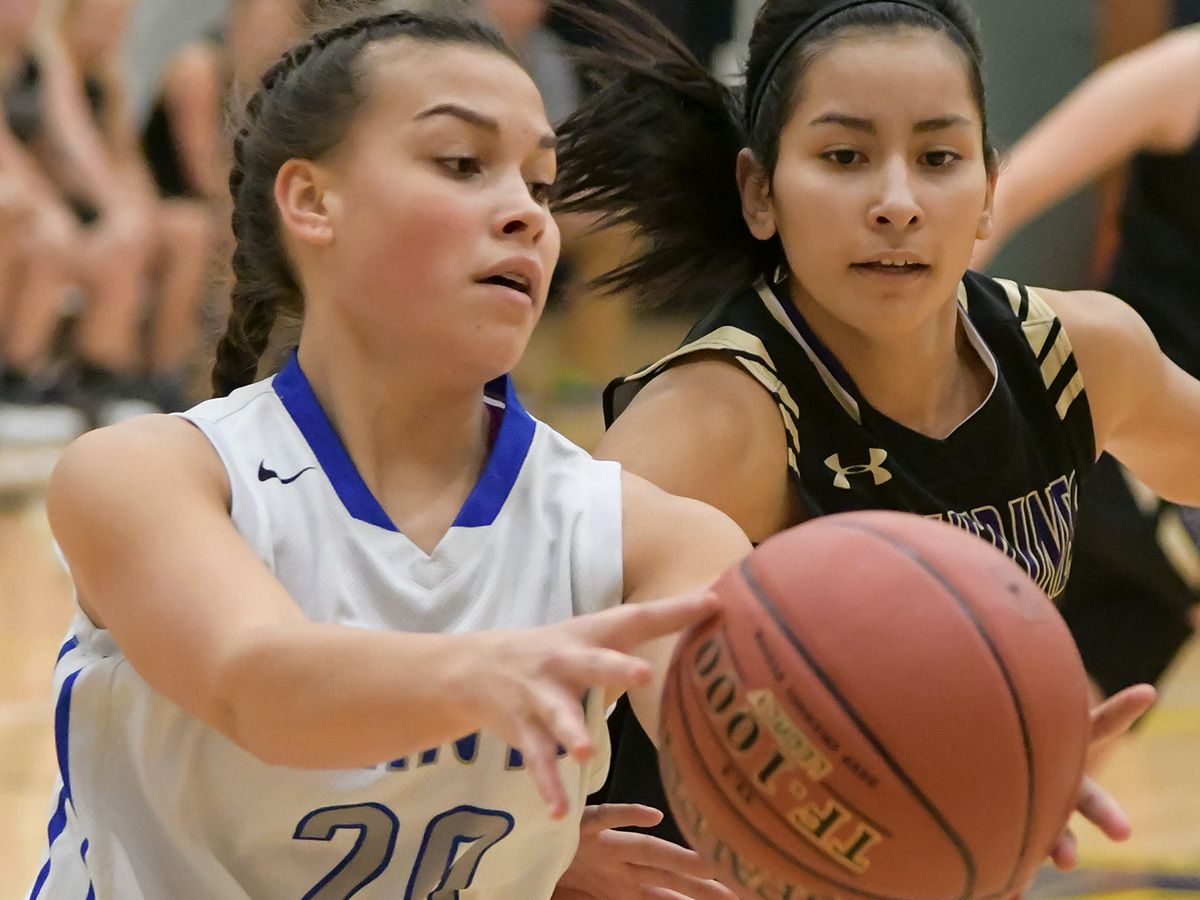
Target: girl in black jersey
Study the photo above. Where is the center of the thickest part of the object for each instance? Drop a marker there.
(848, 360)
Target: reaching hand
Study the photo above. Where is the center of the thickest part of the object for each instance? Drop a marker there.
(1110, 720)
(526, 686)
(618, 865)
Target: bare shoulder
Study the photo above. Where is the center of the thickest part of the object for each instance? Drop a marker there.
(713, 382)
(651, 512)
(132, 464)
(673, 543)
(1098, 321)
(1115, 350)
(707, 429)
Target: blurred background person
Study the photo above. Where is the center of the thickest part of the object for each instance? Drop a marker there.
(186, 145)
(49, 111)
(36, 245)
(181, 226)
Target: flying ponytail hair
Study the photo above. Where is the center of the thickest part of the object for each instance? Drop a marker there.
(302, 110)
(656, 146)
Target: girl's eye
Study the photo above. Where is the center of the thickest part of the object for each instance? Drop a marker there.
(462, 165)
(540, 191)
(939, 159)
(843, 158)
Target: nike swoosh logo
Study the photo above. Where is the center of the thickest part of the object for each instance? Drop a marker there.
(265, 474)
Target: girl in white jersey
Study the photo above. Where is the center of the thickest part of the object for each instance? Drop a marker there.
(331, 622)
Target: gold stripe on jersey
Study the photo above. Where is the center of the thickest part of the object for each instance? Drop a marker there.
(752, 355)
(1048, 342)
(788, 410)
(1070, 393)
(1015, 300)
(848, 403)
(963, 300)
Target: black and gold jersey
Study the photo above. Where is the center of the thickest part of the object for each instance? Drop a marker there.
(1010, 472)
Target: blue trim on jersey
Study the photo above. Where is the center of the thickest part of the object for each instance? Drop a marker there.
(488, 496)
(58, 822)
(305, 409)
(62, 719)
(66, 648)
(83, 849)
(503, 465)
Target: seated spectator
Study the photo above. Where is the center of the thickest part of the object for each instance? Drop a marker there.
(182, 226)
(36, 234)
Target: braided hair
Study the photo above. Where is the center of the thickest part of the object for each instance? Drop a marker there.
(303, 108)
(656, 144)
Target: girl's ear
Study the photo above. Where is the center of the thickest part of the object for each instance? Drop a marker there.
(755, 186)
(302, 198)
(986, 222)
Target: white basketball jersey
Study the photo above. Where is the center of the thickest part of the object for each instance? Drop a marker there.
(152, 803)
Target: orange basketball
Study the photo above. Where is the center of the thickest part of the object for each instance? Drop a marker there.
(888, 707)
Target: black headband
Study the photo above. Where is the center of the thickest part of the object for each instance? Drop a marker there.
(812, 22)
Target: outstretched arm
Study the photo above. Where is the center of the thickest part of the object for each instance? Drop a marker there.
(1145, 409)
(141, 511)
(673, 546)
(1147, 100)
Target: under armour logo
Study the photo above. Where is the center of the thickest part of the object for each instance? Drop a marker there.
(874, 468)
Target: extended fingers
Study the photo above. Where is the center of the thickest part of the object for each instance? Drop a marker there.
(618, 815)
(539, 751)
(560, 713)
(635, 624)
(660, 883)
(585, 667)
(650, 852)
(1117, 714)
(1064, 854)
(1098, 807)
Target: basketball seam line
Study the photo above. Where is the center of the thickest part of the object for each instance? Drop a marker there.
(837, 795)
(1014, 695)
(964, 851)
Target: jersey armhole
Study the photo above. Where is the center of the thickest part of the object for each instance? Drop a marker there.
(247, 515)
(601, 550)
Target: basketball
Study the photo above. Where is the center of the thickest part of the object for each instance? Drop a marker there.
(888, 707)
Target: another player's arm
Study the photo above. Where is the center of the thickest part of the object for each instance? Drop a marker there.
(1150, 92)
(141, 511)
(706, 429)
(1145, 409)
(672, 546)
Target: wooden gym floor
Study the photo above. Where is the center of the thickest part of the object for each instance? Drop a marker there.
(1156, 773)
